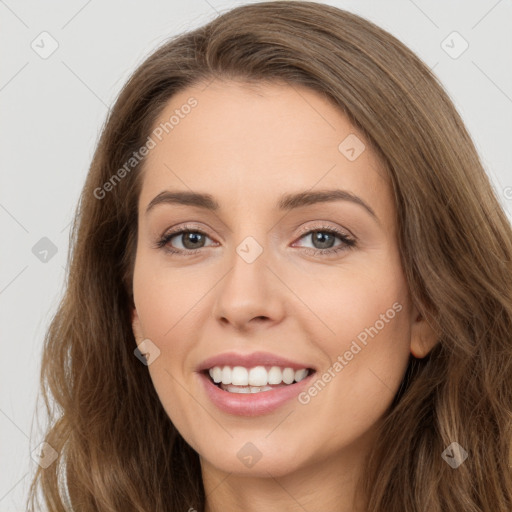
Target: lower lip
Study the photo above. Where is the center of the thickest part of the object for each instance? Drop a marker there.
(252, 404)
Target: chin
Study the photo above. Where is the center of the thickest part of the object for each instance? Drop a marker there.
(253, 459)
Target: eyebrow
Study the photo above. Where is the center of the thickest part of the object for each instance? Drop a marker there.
(286, 202)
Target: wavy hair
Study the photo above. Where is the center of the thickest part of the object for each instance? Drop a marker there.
(118, 449)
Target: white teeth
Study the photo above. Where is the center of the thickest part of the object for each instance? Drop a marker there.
(300, 374)
(257, 389)
(275, 375)
(239, 376)
(226, 375)
(216, 374)
(256, 378)
(288, 375)
(245, 389)
(242, 389)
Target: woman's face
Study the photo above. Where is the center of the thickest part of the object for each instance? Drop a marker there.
(279, 269)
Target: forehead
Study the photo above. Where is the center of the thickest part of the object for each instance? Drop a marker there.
(252, 143)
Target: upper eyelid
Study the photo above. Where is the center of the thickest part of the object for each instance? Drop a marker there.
(306, 230)
(337, 230)
(302, 230)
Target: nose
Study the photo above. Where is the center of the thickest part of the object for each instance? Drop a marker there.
(249, 295)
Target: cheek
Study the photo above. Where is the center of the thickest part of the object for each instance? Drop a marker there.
(368, 302)
(354, 391)
(165, 300)
(366, 326)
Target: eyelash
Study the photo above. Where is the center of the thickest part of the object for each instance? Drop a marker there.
(348, 243)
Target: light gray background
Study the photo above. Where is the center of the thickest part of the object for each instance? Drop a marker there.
(52, 110)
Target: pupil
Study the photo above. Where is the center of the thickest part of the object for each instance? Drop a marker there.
(320, 236)
(194, 237)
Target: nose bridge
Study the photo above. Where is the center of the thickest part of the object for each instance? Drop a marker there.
(249, 289)
(248, 278)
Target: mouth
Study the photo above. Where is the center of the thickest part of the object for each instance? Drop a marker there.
(253, 384)
(257, 379)
(255, 391)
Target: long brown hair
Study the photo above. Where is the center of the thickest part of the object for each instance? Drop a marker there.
(119, 451)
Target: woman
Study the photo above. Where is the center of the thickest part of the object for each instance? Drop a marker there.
(205, 358)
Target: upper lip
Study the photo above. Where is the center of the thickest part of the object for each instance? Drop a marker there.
(250, 360)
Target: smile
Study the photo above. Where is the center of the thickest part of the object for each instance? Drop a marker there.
(248, 399)
(238, 379)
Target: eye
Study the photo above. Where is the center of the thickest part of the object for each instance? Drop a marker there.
(324, 239)
(191, 241)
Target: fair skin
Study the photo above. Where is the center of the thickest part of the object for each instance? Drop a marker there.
(247, 148)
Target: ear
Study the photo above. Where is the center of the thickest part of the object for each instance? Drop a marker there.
(423, 336)
(136, 327)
